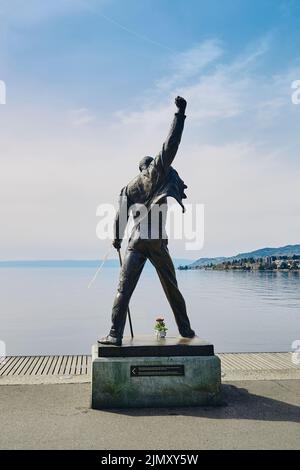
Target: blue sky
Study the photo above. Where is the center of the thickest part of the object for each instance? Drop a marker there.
(90, 86)
(80, 48)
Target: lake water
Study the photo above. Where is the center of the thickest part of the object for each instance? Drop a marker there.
(51, 311)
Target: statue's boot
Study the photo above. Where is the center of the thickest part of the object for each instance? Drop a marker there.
(188, 333)
(110, 340)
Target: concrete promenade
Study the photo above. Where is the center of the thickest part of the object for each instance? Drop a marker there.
(258, 415)
(261, 410)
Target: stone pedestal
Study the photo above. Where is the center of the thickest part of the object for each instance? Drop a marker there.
(147, 372)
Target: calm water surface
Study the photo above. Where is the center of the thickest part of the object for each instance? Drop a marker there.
(51, 311)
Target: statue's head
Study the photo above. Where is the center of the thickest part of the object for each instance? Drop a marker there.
(144, 163)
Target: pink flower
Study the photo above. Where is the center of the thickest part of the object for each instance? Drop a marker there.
(160, 319)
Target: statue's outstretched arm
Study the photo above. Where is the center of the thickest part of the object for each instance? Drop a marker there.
(170, 146)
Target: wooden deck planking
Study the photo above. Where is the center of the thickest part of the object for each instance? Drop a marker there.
(48, 366)
(22, 366)
(5, 364)
(63, 365)
(53, 365)
(15, 366)
(74, 365)
(78, 365)
(31, 365)
(69, 365)
(57, 365)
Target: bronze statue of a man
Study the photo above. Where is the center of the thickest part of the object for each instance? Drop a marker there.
(156, 181)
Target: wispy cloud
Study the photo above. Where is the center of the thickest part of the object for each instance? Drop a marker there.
(187, 64)
(226, 92)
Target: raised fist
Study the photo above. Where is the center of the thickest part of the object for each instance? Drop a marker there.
(180, 103)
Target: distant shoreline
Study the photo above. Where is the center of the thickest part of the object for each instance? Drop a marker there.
(263, 258)
(243, 270)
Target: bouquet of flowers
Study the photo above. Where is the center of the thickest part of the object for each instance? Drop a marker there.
(160, 327)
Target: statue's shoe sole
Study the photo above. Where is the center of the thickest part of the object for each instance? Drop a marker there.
(110, 343)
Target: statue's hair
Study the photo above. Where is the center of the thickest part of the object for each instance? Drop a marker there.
(145, 162)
